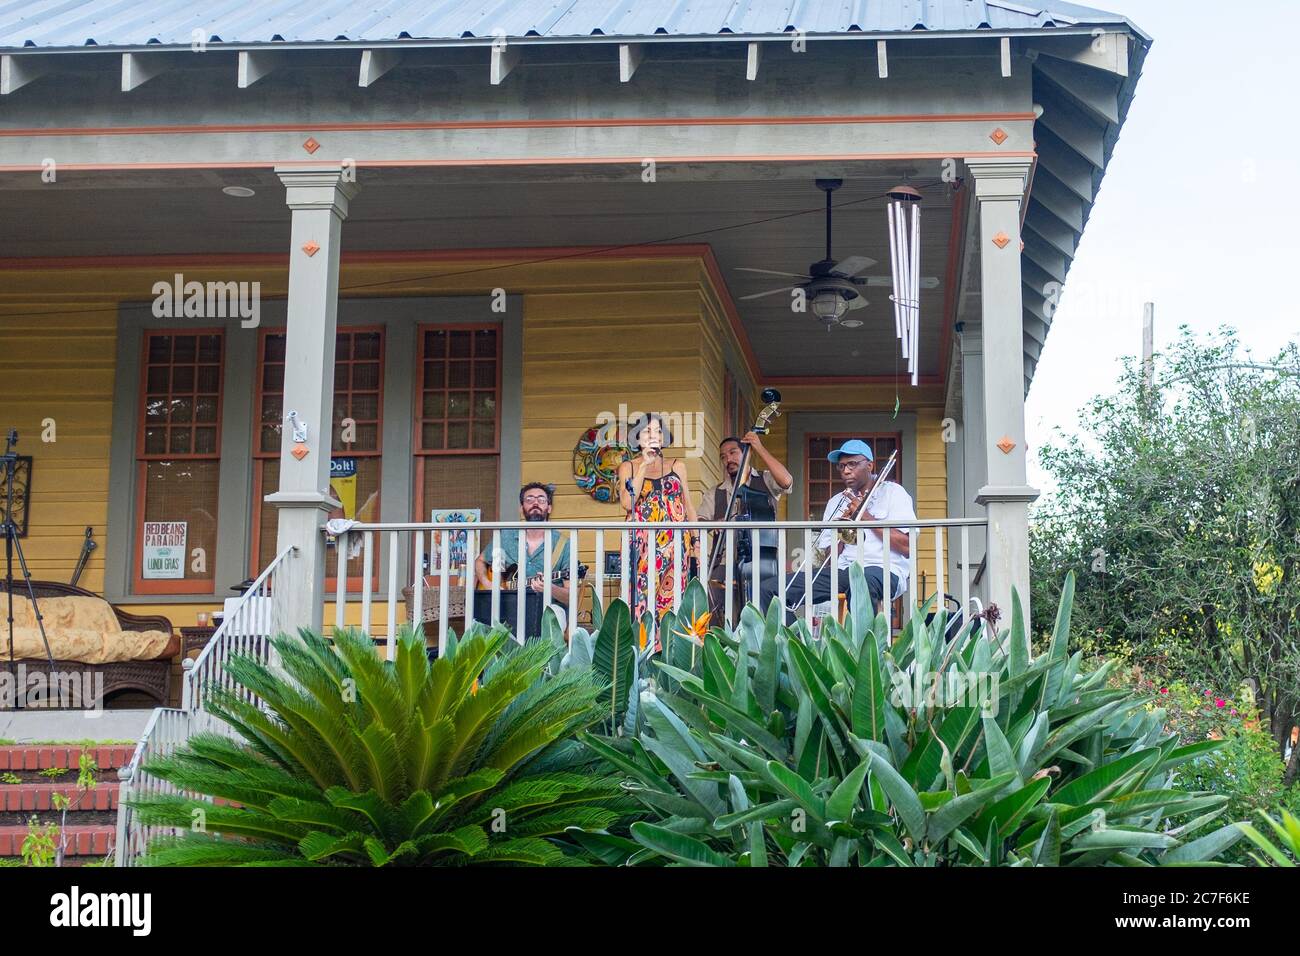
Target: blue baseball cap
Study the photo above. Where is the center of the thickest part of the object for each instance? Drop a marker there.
(854, 446)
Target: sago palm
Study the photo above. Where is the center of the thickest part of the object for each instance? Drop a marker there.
(354, 760)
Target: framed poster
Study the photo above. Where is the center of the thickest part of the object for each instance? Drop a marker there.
(164, 550)
(458, 538)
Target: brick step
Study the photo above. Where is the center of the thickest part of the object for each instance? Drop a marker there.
(44, 756)
(40, 796)
(85, 840)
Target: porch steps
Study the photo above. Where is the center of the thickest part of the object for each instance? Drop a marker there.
(27, 792)
(43, 756)
(92, 841)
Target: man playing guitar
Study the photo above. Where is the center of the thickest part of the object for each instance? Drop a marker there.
(890, 502)
(535, 506)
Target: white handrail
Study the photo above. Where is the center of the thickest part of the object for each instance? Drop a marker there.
(246, 629)
(756, 580)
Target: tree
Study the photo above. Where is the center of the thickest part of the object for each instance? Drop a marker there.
(1178, 508)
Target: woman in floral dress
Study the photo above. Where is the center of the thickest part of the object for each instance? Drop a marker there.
(653, 488)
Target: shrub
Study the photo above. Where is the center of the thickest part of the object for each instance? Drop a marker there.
(354, 760)
(774, 748)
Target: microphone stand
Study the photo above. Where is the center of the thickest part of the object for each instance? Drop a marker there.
(12, 545)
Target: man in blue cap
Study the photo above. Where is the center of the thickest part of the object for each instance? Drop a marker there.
(890, 502)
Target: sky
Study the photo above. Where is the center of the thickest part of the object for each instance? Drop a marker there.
(1199, 209)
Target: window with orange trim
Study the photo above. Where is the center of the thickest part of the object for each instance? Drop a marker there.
(178, 462)
(458, 419)
(357, 431)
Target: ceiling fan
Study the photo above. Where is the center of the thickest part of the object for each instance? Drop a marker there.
(833, 288)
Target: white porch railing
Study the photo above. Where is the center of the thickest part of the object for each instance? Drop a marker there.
(245, 630)
(452, 576)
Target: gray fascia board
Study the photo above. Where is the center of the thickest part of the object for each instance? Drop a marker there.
(611, 40)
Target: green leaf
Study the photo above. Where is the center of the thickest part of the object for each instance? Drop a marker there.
(797, 788)
(1205, 848)
(1001, 759)
(948, 817)
(612, 658)
(869, 701)
(1107, 779)
(839, 806)
(1005, 815)
(1047, 851)
(677, 846)
(900, 794)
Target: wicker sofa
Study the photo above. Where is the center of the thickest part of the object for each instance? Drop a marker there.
(151, 677)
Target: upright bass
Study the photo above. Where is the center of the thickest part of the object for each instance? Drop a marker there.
(761, 425)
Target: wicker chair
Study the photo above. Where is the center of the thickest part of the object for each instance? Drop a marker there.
(152, 678)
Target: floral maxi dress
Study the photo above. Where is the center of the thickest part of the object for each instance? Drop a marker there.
(661, 499)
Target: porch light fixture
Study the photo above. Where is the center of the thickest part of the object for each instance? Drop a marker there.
(240, 192)
(905, 260)
(829, 306)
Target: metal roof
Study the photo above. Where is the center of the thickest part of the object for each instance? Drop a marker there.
(78, 24)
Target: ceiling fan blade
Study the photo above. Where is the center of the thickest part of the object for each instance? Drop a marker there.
(770, 272)
(857, 303)
(853, 265)
(885, 282)
(759, 295)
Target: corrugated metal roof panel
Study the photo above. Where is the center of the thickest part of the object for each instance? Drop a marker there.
(66, 24)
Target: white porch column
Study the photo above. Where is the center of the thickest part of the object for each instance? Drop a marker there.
(999, 191)
(974, 467)
(319, 200)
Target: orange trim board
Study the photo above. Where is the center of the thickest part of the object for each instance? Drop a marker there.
(837, 120)
(636, 161)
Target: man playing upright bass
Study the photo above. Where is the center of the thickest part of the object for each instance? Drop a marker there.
(755, 501)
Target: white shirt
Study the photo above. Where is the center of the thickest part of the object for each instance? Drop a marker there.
(891, 503)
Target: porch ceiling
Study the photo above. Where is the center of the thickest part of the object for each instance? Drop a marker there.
(743, 211)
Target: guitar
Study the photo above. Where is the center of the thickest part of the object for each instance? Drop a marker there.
(510, 575)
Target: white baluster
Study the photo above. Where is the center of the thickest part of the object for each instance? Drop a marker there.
(367, 563)
(912, 540)
(808, 577)
(677, 570)
(600, 571)
(392, 593)
(572, 615)
(521, 586)
(624, 572)
(471, 549)
(729, 584)
(939, 566)
(965, 569)
(495, 567)
(444, 587)
(341, 580)
(780, 572)
(417, 581)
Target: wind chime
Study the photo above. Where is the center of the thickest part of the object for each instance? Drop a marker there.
(905, 260)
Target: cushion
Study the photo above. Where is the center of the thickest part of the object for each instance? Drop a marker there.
(90, 646)
(75, 611)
